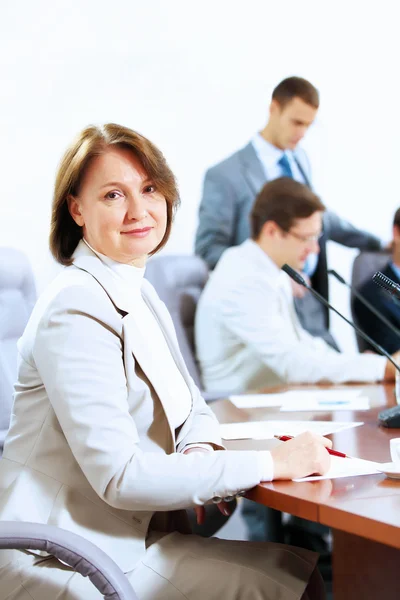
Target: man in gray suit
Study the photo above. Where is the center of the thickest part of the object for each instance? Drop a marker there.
(231, 186)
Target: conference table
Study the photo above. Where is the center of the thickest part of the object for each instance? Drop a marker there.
(363, 512)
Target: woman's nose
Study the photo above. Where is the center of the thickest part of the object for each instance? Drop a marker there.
(136, 208)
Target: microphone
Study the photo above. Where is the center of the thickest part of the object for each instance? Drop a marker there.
(365, 302)
(301, 281)
(387, 284)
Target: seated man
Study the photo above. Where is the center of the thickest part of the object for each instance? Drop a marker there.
(378, 331)
(248, 335)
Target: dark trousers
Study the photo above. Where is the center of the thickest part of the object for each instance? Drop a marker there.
(266, 524)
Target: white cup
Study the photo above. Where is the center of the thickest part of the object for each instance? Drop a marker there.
(395, 450)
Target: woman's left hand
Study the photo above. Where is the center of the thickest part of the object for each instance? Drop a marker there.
(200, 510)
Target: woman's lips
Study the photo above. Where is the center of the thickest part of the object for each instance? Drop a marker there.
(137, 232)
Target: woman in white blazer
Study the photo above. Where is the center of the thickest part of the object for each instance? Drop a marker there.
(109, 437)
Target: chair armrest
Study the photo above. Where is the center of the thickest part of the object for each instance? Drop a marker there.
(80, 554)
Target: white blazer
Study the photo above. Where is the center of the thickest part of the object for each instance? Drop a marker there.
(89, 404)
(248, 335)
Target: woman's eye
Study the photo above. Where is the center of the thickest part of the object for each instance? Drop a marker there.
(113, 195)
(149, 189)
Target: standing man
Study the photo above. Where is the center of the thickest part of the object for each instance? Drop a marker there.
(231, 186)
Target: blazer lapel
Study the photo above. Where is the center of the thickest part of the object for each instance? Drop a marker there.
(86, 260)
(302, 170)
(253, 170)
(139, 347)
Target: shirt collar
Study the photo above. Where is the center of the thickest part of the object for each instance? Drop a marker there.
(131, 275)
(276, 276)
(267, 152)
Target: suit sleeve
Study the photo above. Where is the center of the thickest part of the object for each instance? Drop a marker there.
(78, 354)
(373, 326)
(217, 217)
(341, 231)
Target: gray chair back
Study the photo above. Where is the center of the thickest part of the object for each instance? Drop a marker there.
(17, 297)
(364, 267)
(179, 281)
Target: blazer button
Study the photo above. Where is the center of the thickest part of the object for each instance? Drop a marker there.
(229, 498)
(216, 499)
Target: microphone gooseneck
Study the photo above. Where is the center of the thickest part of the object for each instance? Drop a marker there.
(294, 275)
(361, 298)
(299, 279)
(387, 284)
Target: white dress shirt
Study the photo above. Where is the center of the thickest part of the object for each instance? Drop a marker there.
(269, 156)
(248, 335)
(131, 277)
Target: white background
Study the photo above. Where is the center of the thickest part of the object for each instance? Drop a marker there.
(196, 78)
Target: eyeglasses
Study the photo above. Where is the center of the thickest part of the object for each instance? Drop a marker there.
(306, 239)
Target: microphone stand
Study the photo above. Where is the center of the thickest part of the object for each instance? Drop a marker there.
(361, 298)
(301, 281)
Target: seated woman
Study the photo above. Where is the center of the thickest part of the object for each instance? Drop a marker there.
(109, 437)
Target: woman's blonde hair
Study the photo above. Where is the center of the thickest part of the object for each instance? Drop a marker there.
(91, 142)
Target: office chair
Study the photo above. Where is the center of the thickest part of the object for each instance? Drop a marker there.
(80, 554)
(364, 266)
(17, 298)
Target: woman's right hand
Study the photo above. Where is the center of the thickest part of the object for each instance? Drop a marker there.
(304, 455)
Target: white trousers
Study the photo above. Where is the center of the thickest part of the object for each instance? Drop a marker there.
(176, 567)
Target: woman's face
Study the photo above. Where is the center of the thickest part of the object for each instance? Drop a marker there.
(122, 214)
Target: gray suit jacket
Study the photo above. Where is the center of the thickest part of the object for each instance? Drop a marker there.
(90, 446)
(230, 189)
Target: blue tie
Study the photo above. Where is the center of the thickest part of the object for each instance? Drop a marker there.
(286, 169)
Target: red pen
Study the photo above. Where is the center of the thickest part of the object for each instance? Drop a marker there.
(285, 438)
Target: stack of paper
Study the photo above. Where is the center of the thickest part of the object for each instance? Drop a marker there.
(305, 400)
(263, 430)
(345, 467)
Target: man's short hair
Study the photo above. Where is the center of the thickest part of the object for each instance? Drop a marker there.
(396, 218)
(296, 87)
(283, 201)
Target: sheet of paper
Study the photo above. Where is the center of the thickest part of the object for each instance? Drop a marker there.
(258, 400)
(263, 430)
(294, 403)
(300, 396)
(345, 467)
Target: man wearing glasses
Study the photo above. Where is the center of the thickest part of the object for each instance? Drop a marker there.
(248, 335)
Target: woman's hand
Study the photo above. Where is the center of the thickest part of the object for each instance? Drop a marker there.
(304, 455)
(200, 510)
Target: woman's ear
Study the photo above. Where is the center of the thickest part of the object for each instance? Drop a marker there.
(74, 208)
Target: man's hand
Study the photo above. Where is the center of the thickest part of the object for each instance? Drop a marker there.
(299, 291)
(390, 370)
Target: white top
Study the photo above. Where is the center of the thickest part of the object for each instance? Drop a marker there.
(248, 335)
(132, 277)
